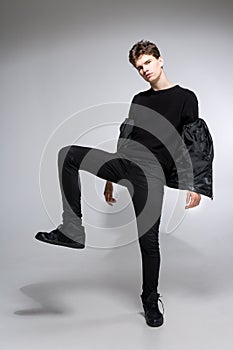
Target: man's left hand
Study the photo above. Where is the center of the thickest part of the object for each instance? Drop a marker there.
(192, 199)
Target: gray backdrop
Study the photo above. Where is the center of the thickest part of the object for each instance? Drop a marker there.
(70, 58)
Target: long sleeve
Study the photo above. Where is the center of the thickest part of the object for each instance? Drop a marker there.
(126, 129)
(190, 111)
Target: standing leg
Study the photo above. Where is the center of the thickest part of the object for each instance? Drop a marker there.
(148, 190)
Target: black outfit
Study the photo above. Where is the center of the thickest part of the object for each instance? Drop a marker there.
(176, 105)
(143, 159)
(165, 124)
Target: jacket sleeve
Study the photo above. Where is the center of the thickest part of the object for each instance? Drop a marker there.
(199, 143)
(193, 165)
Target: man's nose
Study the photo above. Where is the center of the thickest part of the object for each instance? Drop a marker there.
(145, 69)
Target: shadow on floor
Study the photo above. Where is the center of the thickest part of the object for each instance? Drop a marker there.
(184, 270)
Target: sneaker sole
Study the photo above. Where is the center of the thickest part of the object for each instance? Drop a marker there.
(63, 244)
(155, 324)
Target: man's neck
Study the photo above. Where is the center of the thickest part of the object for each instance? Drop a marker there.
(157, 87)
(162, 83)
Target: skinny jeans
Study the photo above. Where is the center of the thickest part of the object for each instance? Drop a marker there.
(144, 179)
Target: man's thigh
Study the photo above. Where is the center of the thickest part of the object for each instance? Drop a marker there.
(146, 187)
(106, 165)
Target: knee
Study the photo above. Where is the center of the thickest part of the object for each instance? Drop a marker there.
(63, 154)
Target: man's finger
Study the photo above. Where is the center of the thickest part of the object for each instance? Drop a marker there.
(110, 199)
(193, 203)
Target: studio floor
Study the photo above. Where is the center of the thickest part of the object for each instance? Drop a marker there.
(59, 298)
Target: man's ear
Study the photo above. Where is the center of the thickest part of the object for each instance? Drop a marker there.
(161, 61)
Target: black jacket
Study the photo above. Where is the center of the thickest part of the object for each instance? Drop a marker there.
(194, 157)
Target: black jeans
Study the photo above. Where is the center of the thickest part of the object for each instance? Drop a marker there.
(146, 190)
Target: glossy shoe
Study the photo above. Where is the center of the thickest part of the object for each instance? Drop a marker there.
(71, 236)
(153, 316)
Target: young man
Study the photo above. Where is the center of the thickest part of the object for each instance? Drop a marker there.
(147, 149)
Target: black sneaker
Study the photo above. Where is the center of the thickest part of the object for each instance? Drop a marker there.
(59, 236)
(153, 316)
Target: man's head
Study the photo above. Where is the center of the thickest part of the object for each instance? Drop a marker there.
(145, 57)
(143, 47)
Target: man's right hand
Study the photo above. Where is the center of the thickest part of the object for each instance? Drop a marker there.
(108, 193)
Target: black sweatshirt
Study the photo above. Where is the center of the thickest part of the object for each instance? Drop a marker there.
(165, 110)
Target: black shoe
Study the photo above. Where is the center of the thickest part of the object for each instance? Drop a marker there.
(153, 316)
(58, 237)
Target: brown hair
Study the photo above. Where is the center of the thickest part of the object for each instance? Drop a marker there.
(143, 47)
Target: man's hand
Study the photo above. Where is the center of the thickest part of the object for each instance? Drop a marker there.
(108, 193)
(192, 200)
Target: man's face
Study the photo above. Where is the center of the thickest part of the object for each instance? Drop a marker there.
(149, 67)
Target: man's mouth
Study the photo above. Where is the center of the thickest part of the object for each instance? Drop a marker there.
(149, 75)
